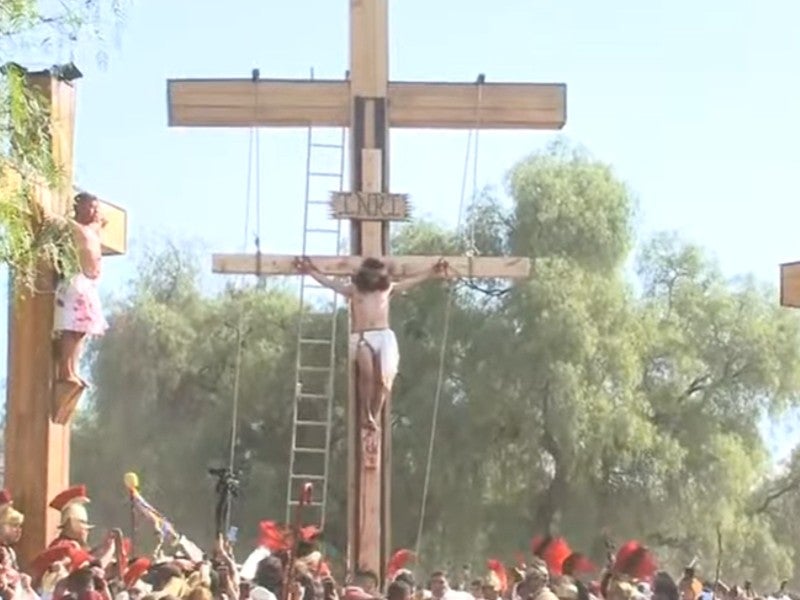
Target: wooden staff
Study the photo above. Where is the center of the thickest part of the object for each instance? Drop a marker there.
(719, 561)
(122, 559)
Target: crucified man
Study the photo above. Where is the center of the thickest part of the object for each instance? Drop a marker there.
(372, 341)
(77, 311)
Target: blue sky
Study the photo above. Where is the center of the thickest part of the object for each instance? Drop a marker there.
(694, 103)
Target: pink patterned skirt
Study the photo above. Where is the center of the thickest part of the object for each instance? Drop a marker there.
(78, 308)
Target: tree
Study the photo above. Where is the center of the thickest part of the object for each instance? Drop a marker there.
(163, 407)
(27, 26)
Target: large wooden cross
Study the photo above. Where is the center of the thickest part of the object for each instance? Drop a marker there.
(368, 104)
(36, 447)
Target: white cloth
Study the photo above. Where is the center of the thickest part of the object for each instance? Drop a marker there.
(384, 343)
(261, 593)
(250, 566)
(77, 307)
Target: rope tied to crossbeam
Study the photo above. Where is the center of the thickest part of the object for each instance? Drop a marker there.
(469, 253)
(253, 188)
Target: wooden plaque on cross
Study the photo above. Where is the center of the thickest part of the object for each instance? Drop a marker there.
(369, 105)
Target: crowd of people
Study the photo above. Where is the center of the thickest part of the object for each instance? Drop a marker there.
(287, 564)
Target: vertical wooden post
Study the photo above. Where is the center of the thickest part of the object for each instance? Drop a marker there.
(36, 449)
(368, 491)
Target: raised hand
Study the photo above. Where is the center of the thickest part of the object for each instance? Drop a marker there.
(303, 264)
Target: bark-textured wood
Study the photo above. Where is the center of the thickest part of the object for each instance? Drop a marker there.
(299, 103)
(790, 284)
(36, 449)
(507, 267)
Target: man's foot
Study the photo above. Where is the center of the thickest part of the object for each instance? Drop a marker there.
(66, 395)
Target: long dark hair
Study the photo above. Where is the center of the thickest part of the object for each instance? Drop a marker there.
(372, 276)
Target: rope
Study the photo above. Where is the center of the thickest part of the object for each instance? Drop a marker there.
(471, 249)
(447, 313)
(256, 133)
(253, 149)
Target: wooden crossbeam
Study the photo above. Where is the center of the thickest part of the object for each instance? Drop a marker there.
(245, 103)
(301, 103)
(458, 106)
(113, 237)
(790, 284)
(510, 267)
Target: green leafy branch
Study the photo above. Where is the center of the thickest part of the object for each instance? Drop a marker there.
(27, 238)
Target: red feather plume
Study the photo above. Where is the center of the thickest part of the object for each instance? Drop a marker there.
(134, 572)
(399, 560)
(273, 537)
(553, 551)
(496, 567)
(635, 561)
(309, 533)
(577, 563)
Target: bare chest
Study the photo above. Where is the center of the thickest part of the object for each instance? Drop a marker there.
(372, 303)
(88, 239)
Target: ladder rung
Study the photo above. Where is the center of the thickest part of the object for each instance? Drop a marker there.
(311, 477)
(297, 502)
(326, 202)
(310, 396)
(321, 230)
(314, 341)
(314, 369)
(324, 174)
(322, 145)
(312, 423)
(310, 450)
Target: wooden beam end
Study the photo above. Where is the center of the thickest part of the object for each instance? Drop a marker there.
(114, 237)
(790, 284)
(261, 102)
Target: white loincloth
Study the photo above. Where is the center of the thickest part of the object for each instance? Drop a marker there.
(77, 307)
(384, 343)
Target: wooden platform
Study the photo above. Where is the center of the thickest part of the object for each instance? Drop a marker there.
(790, 284)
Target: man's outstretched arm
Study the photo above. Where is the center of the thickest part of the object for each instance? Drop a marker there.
(437, 270)
(306, 267)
